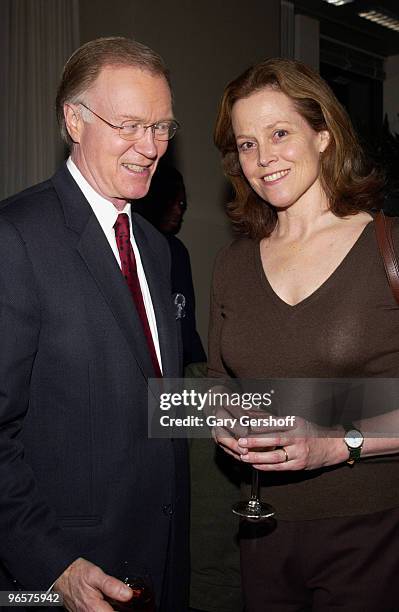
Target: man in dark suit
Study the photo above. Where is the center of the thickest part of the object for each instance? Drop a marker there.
(86, 317)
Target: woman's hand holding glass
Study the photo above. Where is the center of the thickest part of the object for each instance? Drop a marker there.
(252, 509)
(305, 446)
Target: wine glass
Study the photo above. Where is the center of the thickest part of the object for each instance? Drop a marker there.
(139, 580)
(254, 509)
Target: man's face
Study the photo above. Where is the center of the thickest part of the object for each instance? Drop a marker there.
(171, 215)
(119, 169)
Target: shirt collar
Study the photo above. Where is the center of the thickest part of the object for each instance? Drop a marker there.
(104, 210)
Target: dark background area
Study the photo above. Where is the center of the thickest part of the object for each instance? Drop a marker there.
(353, 58)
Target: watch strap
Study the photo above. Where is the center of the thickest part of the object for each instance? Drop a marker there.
(354, 455)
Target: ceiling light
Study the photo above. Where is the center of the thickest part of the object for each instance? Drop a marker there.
(338, 2)
(382, 19)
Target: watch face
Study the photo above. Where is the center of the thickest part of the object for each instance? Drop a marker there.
(354, 439)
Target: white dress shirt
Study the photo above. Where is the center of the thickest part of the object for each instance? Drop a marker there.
(106, 214)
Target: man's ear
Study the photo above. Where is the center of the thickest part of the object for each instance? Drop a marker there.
(73, 121)
(325, 138)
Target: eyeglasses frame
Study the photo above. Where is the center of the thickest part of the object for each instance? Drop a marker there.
(121, 127)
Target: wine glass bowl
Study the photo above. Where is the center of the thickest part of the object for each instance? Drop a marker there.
(139, 580)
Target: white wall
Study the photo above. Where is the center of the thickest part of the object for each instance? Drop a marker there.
(205, 43)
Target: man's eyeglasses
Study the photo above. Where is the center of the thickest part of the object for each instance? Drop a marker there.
(134, 130)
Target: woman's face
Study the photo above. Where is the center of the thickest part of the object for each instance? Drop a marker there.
(278, 151)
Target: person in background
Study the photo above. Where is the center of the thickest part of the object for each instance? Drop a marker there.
(85, 320)
(302, 293)
(215, 574)
(164, 206)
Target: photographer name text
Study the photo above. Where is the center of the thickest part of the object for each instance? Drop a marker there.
(228, 422)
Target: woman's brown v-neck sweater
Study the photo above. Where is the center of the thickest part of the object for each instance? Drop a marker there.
(348, 327)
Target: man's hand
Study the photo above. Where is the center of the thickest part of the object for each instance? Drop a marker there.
(84, 586)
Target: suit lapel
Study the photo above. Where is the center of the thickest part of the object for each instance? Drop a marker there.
(161, 298)
(94, 249)
(100, 261)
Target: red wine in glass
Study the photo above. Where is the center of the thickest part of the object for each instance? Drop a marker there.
(142, 601)
(143, 598)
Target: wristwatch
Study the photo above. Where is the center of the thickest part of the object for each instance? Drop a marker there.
(354, 441)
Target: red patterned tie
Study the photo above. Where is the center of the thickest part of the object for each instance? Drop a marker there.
(129, 271)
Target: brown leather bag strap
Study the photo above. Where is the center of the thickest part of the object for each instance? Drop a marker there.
(383, 230)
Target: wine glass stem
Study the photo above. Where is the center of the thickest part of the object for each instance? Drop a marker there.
(255, 484)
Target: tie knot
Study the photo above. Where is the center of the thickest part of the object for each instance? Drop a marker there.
(121, 226)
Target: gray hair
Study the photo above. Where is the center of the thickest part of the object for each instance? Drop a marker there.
(85, 64)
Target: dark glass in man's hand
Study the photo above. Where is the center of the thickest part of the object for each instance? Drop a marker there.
(139, 580)
(141, 601)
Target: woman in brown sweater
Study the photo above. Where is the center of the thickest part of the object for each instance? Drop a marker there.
(302, 293)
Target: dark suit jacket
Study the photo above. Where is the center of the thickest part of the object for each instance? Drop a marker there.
(78, 474)
(182, 282)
